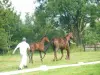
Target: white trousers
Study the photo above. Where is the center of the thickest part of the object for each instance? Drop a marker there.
(23, 61)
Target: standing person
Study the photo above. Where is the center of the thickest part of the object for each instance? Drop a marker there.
(23, 47)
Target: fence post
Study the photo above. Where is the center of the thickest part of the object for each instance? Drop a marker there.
(95, 47)
(84, 47)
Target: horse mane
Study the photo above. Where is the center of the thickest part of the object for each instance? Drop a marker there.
(43, 37)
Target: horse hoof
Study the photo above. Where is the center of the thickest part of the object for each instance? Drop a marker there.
(53, 60)
(67, 58)
(57, 60)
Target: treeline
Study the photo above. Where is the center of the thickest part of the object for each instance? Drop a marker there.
(54, 18)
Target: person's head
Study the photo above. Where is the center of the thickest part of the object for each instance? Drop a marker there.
(23, 39)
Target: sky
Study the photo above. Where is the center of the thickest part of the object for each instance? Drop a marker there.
(24, 6)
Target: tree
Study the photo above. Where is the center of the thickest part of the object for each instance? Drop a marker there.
(3, 41)
(9, 23)
(69, 15)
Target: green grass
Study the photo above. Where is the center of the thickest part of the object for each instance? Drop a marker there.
(80, 70)
(11, 62)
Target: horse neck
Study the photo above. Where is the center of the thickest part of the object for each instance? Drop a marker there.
(43, 40)
(68, 38)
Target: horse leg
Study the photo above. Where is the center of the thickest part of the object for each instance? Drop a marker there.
(68, 53)
(29, 59)
(41, 56)
(31, 56)
(55, 54)
(44, 55)
(62, 54)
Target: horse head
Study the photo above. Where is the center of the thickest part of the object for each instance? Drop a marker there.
(69, 36)
(45, 38)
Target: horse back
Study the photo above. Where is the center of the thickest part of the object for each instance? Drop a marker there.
(37, 46)
(61, 42)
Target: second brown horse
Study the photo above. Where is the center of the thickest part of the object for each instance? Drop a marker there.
(37, 46)
(61, 43)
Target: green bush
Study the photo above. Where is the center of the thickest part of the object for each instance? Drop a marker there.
(3, 41)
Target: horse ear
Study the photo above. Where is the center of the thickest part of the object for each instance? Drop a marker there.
(45, 35)
(70, 33)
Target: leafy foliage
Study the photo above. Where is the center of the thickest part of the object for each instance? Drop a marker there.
(54, 18)
(92, 35)
(3, 40)
(69, 15)
(9, 22)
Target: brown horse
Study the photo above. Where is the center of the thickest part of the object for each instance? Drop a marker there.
(61, 43)
(38, 46)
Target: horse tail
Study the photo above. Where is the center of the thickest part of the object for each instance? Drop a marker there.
(47, 46)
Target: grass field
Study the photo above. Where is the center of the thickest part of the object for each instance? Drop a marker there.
(81, 70)
(11, 62)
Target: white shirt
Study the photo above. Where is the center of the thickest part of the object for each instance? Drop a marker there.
(23, 46)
